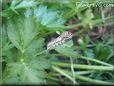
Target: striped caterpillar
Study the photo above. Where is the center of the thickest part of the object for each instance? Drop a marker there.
(59, 40)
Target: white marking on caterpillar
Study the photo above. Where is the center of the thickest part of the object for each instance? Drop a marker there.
(59, 40)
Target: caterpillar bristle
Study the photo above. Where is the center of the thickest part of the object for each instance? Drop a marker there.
(59, 40)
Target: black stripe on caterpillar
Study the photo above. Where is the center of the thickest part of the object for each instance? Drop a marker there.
(59, 40)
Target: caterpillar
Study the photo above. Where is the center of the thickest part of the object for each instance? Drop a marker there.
(59, 40)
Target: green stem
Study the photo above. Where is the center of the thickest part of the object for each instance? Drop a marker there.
(69, 14)
(80, 66)
(95, 22)
(52, 78)
(95, 60)
(77, 73)
(61, 72)
(72, 70)
(93, 81)
(67, 27)
(83, 78)
(86, 58)
(39, 53)
(80, 31)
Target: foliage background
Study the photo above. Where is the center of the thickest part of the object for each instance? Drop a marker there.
(28, 25)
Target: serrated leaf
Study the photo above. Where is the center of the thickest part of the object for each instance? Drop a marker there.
(35, 46)
(5, 41)
(25, 4)
(8, 54)
(40, 63)
(10, 75)
(22, 73)
(68, 43)
(89, 53)
(87, 17)
(14, 2)
(89, 14)
(48, 17)
(29, 31)
(103, 52)
(30, 75)
(38, 12)
(22, 32)
(83, 41)
(68, 50)
(13, 35)
(28, 13)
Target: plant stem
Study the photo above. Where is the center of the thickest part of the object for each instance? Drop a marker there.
(86, 58)
(77, 73)
(95, 22)
(72, 69)
(80, 66)
(95, 60)
(69, 14)
(93, 81)
(39, 53)
(61, 72)
(83, 78)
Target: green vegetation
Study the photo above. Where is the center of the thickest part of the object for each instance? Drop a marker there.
(29, 25)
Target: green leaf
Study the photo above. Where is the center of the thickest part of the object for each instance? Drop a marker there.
(38, 12)
(9, 53)
(48, 17)
(10, 74)
(89, 53)
(83, 41)
(103, 52)
(30, 75)
(40, 63)
(29, 31)
(22, 32)
(89, 14)
(25, 4)
(13, 35)
(14, 3)
(66, 49)
(6, 45)
(68, 43)
(87, 17)
(35, 46)
(51, 17)
(22, 73)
